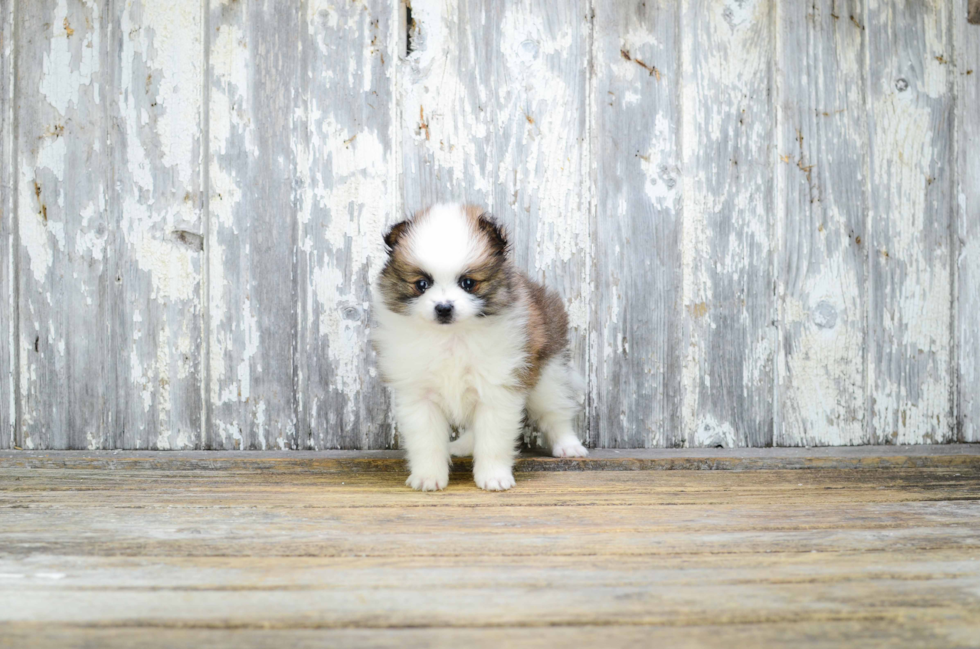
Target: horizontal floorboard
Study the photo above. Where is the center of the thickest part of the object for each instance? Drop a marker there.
(160, 550)
(746, 459)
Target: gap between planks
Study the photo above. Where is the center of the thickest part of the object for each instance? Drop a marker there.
(742, 459)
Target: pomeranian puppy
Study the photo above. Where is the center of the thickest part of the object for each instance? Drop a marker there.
(464, 339)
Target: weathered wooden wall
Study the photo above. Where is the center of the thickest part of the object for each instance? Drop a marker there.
(764, 215)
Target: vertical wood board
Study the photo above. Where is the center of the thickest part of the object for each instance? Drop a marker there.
(346, 162)
(762, 215)
(540, 170)
(637, 289)
(154, 263)
(254, 93)
(8, 237)
(728, 301)
(967, 145)
(821, 242)
(911, 192)
(67, 385)
(446, 104)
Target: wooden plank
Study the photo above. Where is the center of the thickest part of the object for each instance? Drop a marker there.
(726, 113)
(828, 634)
(493, 130)
(973, 12)
(156, 67)
(446, 103)
(8, 230)
(637, 311)
(752, 553)
(968, 228)
(348, 56)
(541, 164)
(66, 362)
(820, 221)
(454, 601)
(910, 95)
(701, 459)
(255, 87)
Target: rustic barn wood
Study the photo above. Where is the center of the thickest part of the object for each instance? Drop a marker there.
(816, 557)
(911, 193)
(154, 211)
(8, 235)
(637, 314)
(726, 114)
(967, 331)
(821, 232)
(346, 150)
(540, 169)
(254, 63)
(761, 214)
(445, 104)
(65, 247)
(922, 456)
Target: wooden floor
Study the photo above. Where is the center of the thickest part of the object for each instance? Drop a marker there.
(174, 550)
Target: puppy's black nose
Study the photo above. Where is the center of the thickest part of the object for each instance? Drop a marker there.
(444, 312)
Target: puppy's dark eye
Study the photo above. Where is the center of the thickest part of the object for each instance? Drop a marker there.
(422, 285)
(467, 284)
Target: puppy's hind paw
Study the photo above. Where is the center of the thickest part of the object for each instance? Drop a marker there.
(569, 447)
(421, 482)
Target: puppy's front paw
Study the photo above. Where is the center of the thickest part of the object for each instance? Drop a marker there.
(569, 447)
(494, 478)
(427, 482)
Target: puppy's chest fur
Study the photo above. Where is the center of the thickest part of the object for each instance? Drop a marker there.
(453, 368)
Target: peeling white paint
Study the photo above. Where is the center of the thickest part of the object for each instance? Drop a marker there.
(175, 47)
(910, 289)
(505, 130)
(170, 266)
(70, 62)
(659, 167)
(451, 128)
(33, 230)
(359, 170)
(709, 432)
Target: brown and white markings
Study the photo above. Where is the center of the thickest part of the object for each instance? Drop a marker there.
(465, 339)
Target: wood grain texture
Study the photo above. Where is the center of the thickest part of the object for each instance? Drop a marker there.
(921, 456)
(822, 633)
(541, 157)
(66, 362)
(154, 258)
(255, 88)
(727, 139)
(446, 105)
(637, 318)
(967, 228)
(347, 196)
(761, 215)
(821, 239)
(493, 111)
(246, 554)
(8, 230)
(911, 193)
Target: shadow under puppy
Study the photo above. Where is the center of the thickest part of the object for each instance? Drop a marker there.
(465, 339)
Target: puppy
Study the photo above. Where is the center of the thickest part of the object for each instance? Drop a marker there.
(464, 339)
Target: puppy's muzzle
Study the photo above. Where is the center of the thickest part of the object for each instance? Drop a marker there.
(444, 312)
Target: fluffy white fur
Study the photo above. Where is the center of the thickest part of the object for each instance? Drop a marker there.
(466, 373)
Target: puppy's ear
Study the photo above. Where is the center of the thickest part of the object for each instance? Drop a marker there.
(494, 232)
(396, 232)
